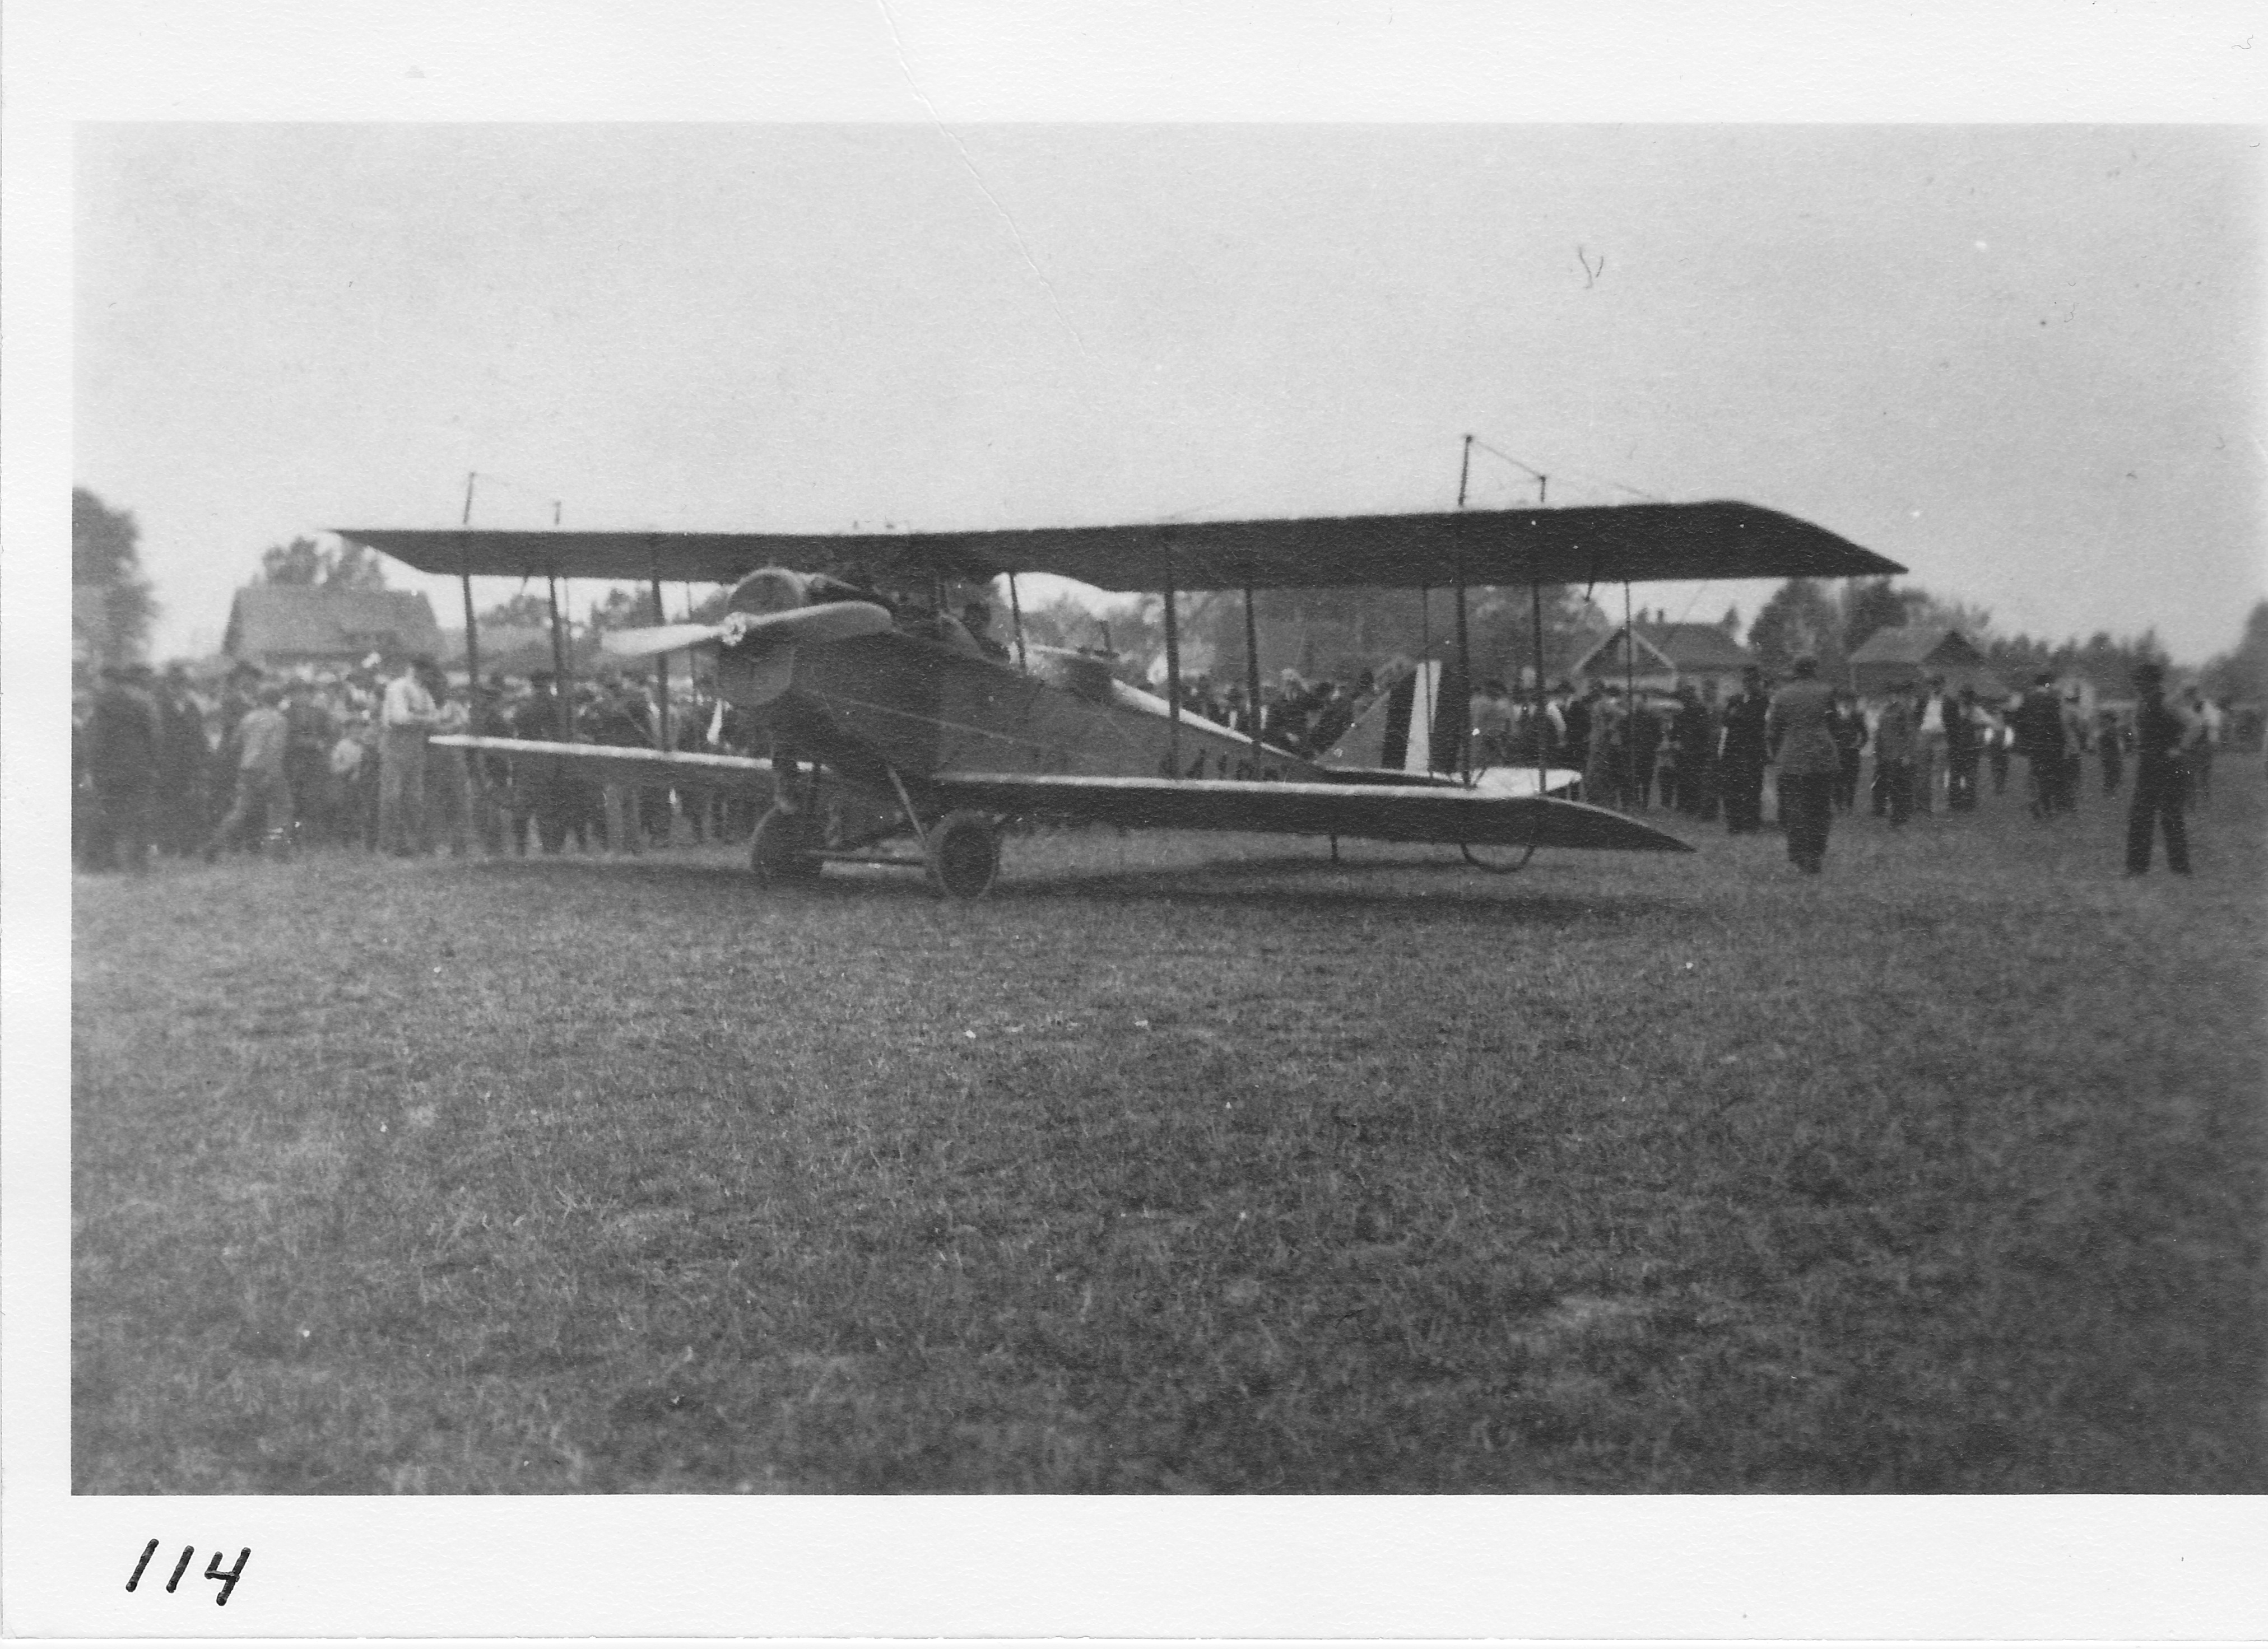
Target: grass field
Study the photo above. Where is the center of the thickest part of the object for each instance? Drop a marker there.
(1182, 1164)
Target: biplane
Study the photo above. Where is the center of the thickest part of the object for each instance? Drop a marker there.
(889, 722)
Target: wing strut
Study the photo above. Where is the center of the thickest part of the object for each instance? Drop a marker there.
(1252, 676)
(1173, 670)
(1630, 700)
(661, 740)
(472, 630)
(562, 714)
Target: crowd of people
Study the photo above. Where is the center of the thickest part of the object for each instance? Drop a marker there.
(273, 763)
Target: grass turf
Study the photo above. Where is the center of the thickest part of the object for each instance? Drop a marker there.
(1181, 1164)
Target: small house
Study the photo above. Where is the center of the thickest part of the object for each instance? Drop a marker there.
(1666, 657)
(1914, 654)
(283, 626)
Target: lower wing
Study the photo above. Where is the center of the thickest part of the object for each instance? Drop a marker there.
(620, 764)
(1473, 818)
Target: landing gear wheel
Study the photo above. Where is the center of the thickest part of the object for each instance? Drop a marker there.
(964, 855)
(777, 847)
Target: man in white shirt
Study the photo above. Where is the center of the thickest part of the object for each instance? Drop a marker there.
(1930, 750)
(2207, 724)
(406, 714)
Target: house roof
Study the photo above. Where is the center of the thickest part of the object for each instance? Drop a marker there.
(314, 621)
(1917, 644)
(1682, 648)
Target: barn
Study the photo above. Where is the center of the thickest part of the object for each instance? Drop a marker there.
(1915, 652)
(1666, 657)
(281, 626)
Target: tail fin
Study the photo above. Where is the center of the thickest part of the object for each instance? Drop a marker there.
(1412, 727)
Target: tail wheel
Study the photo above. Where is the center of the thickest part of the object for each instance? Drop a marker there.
(964, 855)
(777, 847)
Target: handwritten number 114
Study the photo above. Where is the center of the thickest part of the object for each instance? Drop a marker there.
(213, 1571)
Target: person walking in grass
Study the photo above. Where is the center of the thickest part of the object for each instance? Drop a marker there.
(2160, 733)
(263, 792)
(1799, 736)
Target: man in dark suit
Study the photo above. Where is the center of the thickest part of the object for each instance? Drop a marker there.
(1743, 759)
(123, 742)
(2159, 732)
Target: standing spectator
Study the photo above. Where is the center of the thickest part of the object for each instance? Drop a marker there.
(539, 794)
(448, 783)
(309, 736)
(406, 712)
(1741, 760)
(2160, 733)
(1850, 731)
(2110, 748)
(263, 792)
(1894, 756)
(612, 717)
(491, 774)
(1799, 736)
(1998, 737)
(2039, 729)
(1961, 733)
(1930, 746)
(1602, 762)
(1576, 721)
(1689, 745)
(1491, 726)
(181, 813)
(2075, 736)
(1646, 749)
(122, 754)
(352, 766)
(2206, 726)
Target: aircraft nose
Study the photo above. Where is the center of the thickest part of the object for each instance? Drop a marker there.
(770, 590)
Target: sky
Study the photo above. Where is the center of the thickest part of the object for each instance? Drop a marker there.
(2023, 360)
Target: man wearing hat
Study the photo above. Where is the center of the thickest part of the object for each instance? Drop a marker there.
(1800, 729)
(2159, 732)
(1743, 759)
(1894, 755)
(122, 752)
(261, 790)
(406, 714)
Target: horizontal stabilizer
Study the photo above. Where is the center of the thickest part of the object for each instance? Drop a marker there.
(1475, 818)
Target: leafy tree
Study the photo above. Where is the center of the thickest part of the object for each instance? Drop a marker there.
(1799, 619)
(106, 554)
(1947, 613)
(304, 561)
(527, 609)
(2241, 673)
(1870, 604)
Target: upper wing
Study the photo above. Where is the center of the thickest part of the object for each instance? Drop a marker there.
(1381, 813)
(1603, 544)
(622, 764)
